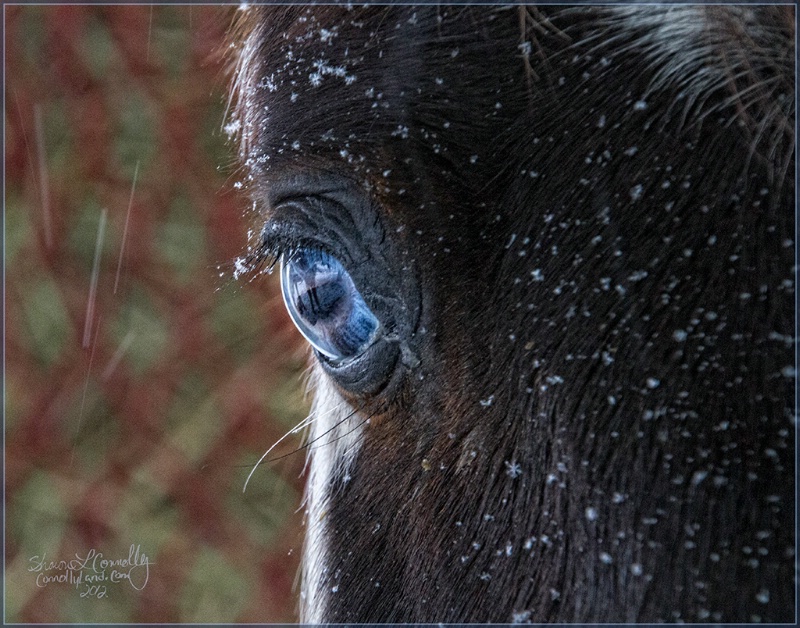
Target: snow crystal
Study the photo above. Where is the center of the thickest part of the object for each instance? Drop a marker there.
(521, 617)
(239, 267)
(513, 469)
(636, 192)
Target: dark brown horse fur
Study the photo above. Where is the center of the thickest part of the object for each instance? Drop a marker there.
(576, 227)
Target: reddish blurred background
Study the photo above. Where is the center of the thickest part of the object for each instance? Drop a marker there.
(139, 427)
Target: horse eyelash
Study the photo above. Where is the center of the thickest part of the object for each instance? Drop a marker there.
(256, 261)
(267, 253)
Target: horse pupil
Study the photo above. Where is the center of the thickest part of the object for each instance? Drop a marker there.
(320, 302)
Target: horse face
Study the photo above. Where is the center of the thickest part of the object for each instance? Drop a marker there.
(545, 262)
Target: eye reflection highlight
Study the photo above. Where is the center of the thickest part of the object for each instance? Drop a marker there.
(325, 305)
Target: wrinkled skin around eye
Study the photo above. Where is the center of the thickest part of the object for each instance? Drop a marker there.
(325, 305)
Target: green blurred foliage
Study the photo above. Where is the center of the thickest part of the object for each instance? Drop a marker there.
(32, 36)
(288, 402)
(170, 42)
(37, 521)
(215, 591)
(236, 321)
(181, 240)
(135, 128)
(114, 608)
(46, 321)
(193, 421)
(83, 235)
(149, 333)
(89, 425)
(99, 51)
(59, 140)
(18, 228)
(136, 437)
(262, 508)
(146, 513)
(38, 518)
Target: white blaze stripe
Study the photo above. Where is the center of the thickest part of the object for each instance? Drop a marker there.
(334, 441)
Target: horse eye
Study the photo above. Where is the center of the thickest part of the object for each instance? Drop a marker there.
(325, 305)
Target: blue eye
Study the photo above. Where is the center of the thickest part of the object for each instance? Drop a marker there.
(325, 305)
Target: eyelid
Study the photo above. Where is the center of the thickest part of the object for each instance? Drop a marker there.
(283, 238)
(300, 185)
(311, 221)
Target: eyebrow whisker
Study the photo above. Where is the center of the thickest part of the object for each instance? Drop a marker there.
(302, 425)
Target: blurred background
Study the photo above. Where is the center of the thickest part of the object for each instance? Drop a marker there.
(142, 382)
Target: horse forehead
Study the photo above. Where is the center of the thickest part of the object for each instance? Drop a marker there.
(316, 83)
(349, 86)
(349, 91)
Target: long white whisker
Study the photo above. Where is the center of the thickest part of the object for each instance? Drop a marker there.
(302, 425)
